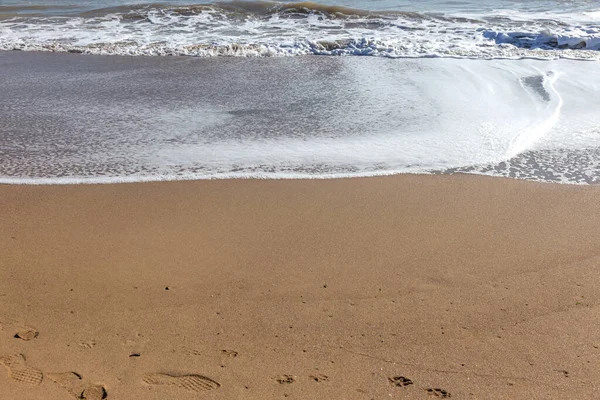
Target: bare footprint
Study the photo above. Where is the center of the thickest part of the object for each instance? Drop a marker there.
(73, 383)
(438, 392)
(19, 371)
(27, 334)
(400, 381)
(192, 382)
(285, 379)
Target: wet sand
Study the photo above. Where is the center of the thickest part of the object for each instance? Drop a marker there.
(374, 288)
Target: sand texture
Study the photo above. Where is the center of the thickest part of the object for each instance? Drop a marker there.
(406, 287)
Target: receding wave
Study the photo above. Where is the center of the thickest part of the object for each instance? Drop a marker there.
(135, 119)
(262, 29)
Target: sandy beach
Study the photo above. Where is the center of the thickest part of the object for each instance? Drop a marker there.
(397, 287)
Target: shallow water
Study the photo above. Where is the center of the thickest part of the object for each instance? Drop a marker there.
(71, 118)
(507, 88)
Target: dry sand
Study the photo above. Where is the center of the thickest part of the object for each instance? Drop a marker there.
(479, 287)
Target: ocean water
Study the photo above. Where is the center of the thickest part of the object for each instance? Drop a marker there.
(298, 89)
(389, 28)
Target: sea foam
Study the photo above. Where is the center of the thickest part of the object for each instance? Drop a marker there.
(268, 29)
(128, 119)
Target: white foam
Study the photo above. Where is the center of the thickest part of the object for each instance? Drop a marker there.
(217, 32)
(548, 114)
(382, 117)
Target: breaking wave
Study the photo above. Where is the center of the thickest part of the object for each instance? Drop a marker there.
(262, 29)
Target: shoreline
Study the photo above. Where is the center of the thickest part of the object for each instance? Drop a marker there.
(476, 286)
(151, 180)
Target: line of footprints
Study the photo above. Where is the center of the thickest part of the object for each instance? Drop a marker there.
(401, 381)
(398, 381)
(79, 388)
(76, 386)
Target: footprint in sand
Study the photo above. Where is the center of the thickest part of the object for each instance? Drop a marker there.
(192, 382)
(285, 379)
(400, 381)
(27, 334)
(319, 378)
(229, 353)
(438, 392)
(74, 384)
(88, 345)
(19, 371)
